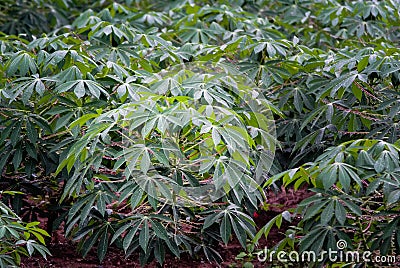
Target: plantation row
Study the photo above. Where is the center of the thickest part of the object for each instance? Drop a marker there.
(159, 127)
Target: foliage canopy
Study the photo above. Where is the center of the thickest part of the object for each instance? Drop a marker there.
(73, 72)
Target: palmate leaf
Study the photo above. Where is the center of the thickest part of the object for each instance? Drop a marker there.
(268, 73)
(265, 230)
(59, 56)
(327, 213)
(70, 74)
(340, 212)
(103, 244)
(393, 197)
(90, 242)
(198, 34)
(159, 252)
(231, 218)
(159, 230)
(314, 240)
(144, 235)
(25, 87)
(315, 209)
(138, 157)
(225, 228)
(128, 239)
(272, 47)
(63, 97)
(82, 88)
(23, 62)
(104, 29)
(343, 81)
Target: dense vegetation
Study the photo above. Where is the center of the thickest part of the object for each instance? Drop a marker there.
(101, 134)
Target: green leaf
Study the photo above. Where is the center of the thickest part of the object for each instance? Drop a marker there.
(211, 219)
(159, 252)
(63, 121)
(340, 212)
(357, 92)
(380, 164)
(43, 124)
(225, 228)
(103, 245)
(309, 240)
(240, 233)
(278, 220)
(29, 247)
(136, 198)
(353, 207)
(159, 230)
(260, 47)
(31, 132)
(15, 135)
(328, 176)
(344, 178)
(173, 247)
(145, 162)
(393, 197)
(314, 209)
(144, 235)
(327, 213)
(362, 64)
(89, 243)
(130, 235)
(17, 158)
(83, 120)
(66, 86)
(79, 89)
(120, 231)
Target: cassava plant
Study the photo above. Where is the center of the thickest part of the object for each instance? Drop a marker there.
(115, 113)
